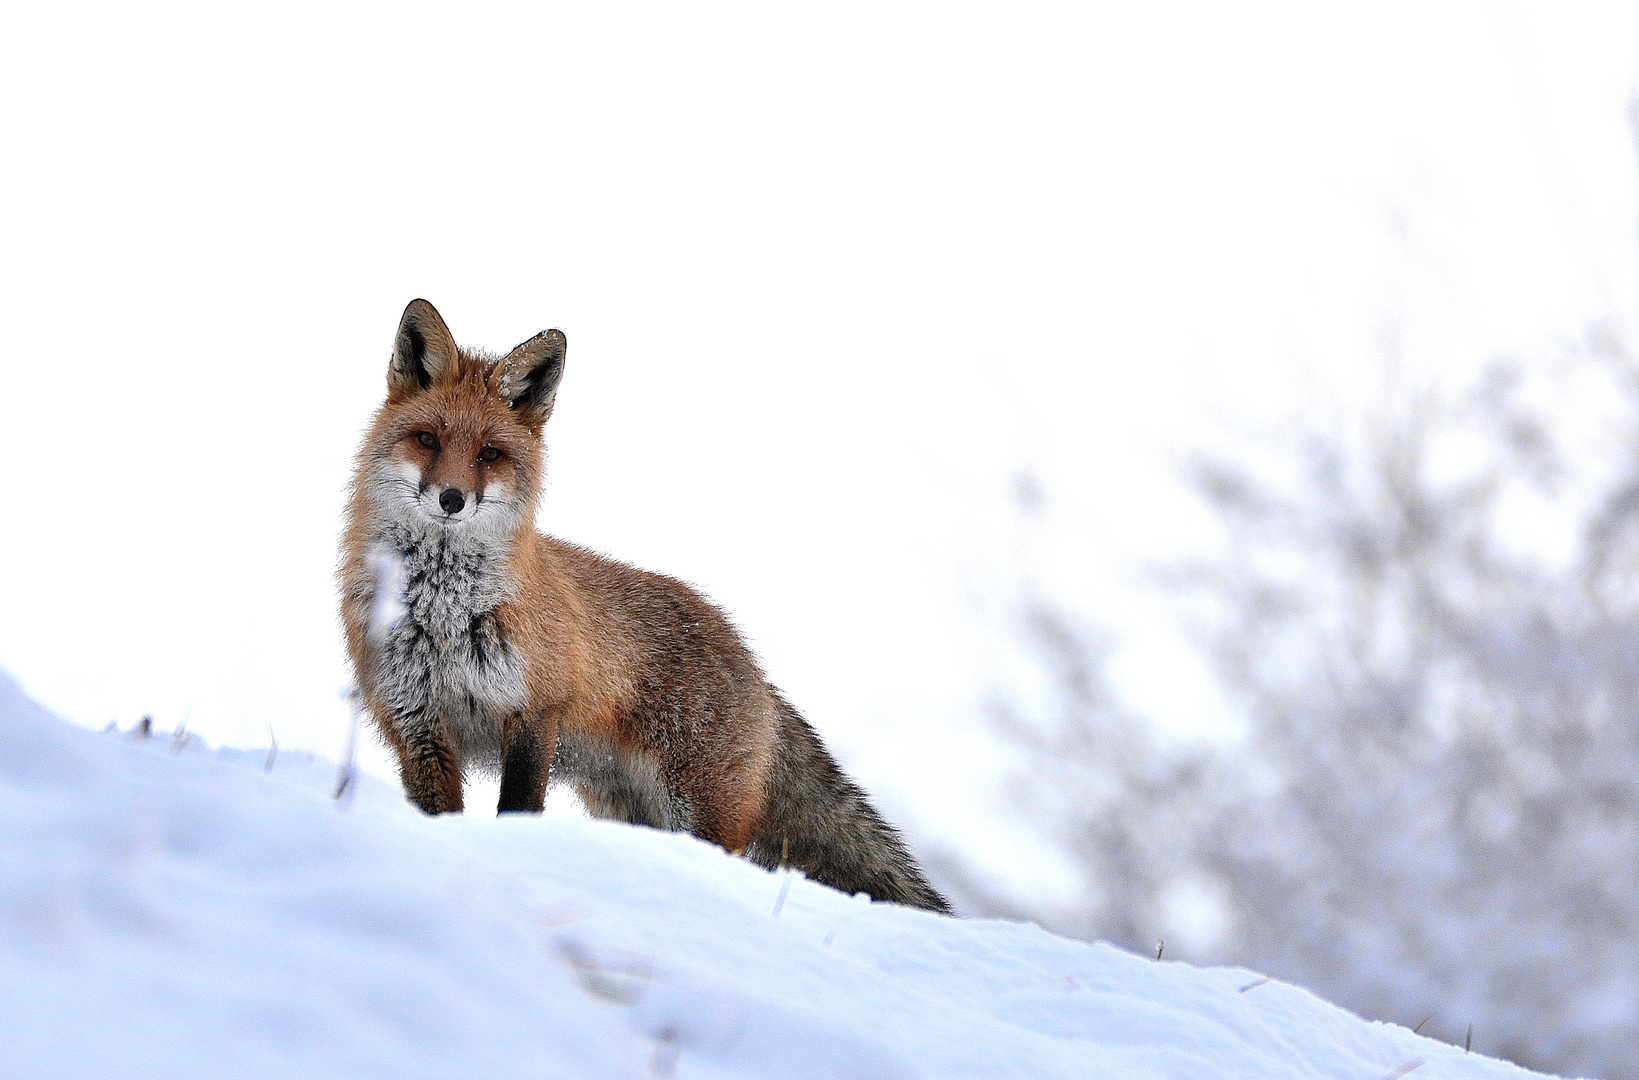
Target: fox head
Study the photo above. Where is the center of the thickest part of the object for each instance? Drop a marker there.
(457, 445)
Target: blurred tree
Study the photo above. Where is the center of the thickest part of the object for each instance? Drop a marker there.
(1436, 808)
(1126, 816)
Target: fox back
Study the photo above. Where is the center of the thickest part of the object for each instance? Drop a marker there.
(480, 644)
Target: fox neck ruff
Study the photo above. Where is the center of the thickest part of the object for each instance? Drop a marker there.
(440, 660)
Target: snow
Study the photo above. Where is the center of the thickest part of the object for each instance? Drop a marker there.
(171, 910)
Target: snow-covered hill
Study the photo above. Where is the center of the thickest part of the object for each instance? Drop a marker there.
(172, 911)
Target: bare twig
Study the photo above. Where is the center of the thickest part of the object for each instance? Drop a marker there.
(1425, 1020)
(1255, 983)
(561, 915)
(1414, 1063)
(1160, 947)
(272, 750)
(347, 773)
(624, 987)
(785, 887)
(668, 1045)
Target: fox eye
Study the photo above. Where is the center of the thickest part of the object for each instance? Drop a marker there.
(489, 453)
(427, 439)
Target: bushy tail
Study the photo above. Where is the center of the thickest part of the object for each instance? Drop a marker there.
(822, 824)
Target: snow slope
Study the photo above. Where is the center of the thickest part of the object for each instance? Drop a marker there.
(172, 911)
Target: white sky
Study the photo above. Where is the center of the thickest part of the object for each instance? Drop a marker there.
(830, 277)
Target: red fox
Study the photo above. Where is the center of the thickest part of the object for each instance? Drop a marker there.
(480, 643)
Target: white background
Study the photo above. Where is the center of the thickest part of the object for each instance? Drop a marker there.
(831, 277)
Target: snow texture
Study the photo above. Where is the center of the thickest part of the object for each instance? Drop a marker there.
(169, 910)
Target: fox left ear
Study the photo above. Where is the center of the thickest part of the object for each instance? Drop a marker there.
(530, 373)
(423, 351)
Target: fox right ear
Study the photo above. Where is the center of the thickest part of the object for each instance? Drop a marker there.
(422, 352)
(529, 374)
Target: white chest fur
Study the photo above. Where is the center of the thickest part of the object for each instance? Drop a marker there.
(440, 661)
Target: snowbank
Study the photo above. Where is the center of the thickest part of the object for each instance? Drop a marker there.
(173, 911)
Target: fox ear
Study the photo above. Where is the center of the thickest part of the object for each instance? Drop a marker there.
(422, 352)
(530, 373)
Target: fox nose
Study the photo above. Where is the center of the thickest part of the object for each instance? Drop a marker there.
(452, 501)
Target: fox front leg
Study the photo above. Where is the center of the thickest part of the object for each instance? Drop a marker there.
(526, 758)
(431, 771)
